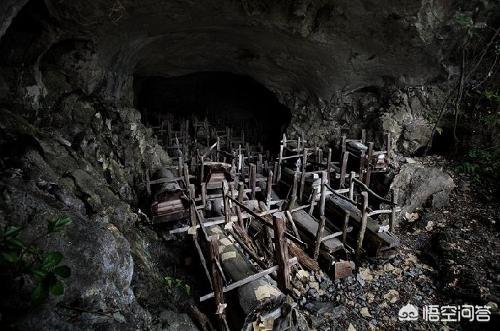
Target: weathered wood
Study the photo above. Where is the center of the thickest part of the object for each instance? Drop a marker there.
(319, 236)
(303, 177)
(281, 254)
(266, 222)
(321, 225)
(253, 179)
(369, 164)
(364, 218)
(343, 169)
(241, 191)
(308, 227)
(392, 219)
(351, 185)
(292, 223)
(293, 197)
(303, 258)
(249, 279)
(344, 228)
(269, 187)
(278, 175)
(329, 164)
(204, 194)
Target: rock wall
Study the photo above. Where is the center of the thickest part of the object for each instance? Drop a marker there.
(71, 143)
(338, 65)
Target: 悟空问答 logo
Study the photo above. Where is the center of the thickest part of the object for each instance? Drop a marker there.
(408, 313)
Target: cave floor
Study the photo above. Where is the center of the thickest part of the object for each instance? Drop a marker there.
(447, 257)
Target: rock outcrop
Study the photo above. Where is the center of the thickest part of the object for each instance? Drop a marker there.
(420, 185)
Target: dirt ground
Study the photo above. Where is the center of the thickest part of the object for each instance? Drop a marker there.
(447, 257)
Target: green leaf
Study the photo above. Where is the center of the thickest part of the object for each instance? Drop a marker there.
(58, 224)
(39, 274)
(12, 231)
(57, 288)
(63, 271)
(439, 130)
(10, 257)
(39, 294)
(51, 260)
(14, 242)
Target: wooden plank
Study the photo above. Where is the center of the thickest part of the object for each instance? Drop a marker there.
(343, 169)
(248, 279)
(266, 222)
(281, 254)
(308, 226)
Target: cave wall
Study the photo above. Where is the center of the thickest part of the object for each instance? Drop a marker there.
(72, 143)
(323, 59)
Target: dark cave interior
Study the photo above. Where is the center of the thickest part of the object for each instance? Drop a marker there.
(224, 99)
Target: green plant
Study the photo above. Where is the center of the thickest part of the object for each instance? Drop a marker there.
(172, 282)
(480, 162)
(18, 259)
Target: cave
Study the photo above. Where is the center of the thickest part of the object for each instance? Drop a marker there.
(249, 165)
(223, 98)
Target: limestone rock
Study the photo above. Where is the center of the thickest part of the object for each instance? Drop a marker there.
(419, 185)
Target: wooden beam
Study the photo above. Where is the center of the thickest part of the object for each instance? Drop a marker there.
(364, 218)
(248, 279)
(281, 254)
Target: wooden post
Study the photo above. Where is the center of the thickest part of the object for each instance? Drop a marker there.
(363, 136)
(293, 197)
(217, 284)
(343, 169)
(343, 146)
(369, 164)
(241, 188)
(240, 160)
(329, 164)
(259, 164)
(321, 225)
(218, 150)
(362, 166)
(227, 213)
(281, 254)
(278, 175)
(303, 177)
(388, 146)
(148, 185)
(320, 156)
(322, 201)
(346, 225)
(186, 176)
(364, 219)
(204, 194)
(275, 172)
(351, 185)
(289, 217)
(392, 219)
(252, 179)
(269, 187)
(202, 170)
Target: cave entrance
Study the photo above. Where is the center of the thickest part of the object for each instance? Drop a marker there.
(224, 99)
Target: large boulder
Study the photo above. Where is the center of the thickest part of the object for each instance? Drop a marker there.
(419, 185)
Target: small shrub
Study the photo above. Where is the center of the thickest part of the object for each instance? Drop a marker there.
(18, 258)
(172, 283)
